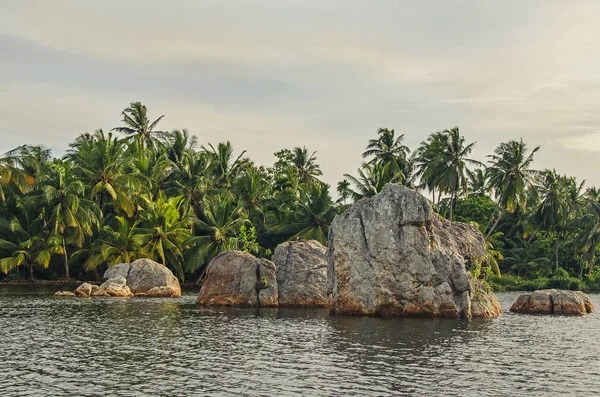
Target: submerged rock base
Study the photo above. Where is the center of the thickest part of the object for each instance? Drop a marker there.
(552, 301)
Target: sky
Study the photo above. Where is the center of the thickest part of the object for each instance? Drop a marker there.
(326, 74)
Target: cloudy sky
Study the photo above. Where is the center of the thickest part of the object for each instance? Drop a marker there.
(268, 74)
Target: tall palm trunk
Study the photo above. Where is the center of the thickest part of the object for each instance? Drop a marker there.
(66, 259)
(489, 233)
(556, 248)
(592, 261)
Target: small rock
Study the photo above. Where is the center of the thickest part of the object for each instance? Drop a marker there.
(64, 293)
(84, 290)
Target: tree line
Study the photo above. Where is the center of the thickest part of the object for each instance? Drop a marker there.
(137, 191)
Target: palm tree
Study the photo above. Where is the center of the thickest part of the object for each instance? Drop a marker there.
(191, 179)
(555, 205)
(100, 163)
(306, 164)
(452, 164)
(138, 126)
(312, 216)
(179, 144)
(343, 190)
(165, 231)
(588, 224)
(510, 176)
(254, 194)
(371, 180)
(523, 260)
(216, 230)
(225, 168)
(26, 239)
(428, 164)
(388, 149)
(478, 183)
(11, 176)
(71, 216)
(119, 241)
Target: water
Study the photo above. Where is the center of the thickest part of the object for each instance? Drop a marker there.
(144, 347)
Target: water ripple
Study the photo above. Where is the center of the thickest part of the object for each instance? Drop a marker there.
(146, 347)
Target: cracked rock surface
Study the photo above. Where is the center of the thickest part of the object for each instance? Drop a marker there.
(237, 278)
(392, 255)
(301, 273)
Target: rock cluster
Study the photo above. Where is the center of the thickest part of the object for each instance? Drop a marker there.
(142, 277)
(552, 301)
(392, 255)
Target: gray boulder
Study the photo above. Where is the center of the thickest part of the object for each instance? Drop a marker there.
(152, 279)
(301, 273)
(120, 270)
(393, 255)
(237, 278)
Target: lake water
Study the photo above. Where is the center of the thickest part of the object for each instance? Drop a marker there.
(143, 347)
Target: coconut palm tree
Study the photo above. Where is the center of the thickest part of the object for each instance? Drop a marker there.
(388, 149)
(71, 217)
(311, 217)
(588, 224)
(452, 165)
(343, 190)
(119, 241)
(165, 231)
(523, 260)
(138, 126)
(26, 239)
(510, 177)
(224, 166)
(100, 163)
(429, 165)
(306, 164)
(254, 195)
(371, 180)
(218, 226)
(13, 178)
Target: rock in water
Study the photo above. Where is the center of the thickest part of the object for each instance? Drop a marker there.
(116, 287)
(64, 293)
(152, 279)
(552, 301)
(120, 270)
(301, 273)
(392, 255)
(237, 278)
(84, 290)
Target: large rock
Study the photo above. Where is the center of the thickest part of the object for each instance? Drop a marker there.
(301, 273)
(120, 270)
(152, 279)
(552, 301)
(237, 278)
(115, 287)
(393, 255)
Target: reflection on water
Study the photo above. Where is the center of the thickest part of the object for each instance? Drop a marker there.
(89, 347)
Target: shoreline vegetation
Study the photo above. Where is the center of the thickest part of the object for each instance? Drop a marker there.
(139, 192)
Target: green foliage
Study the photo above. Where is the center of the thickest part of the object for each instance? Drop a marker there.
(139, 192)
